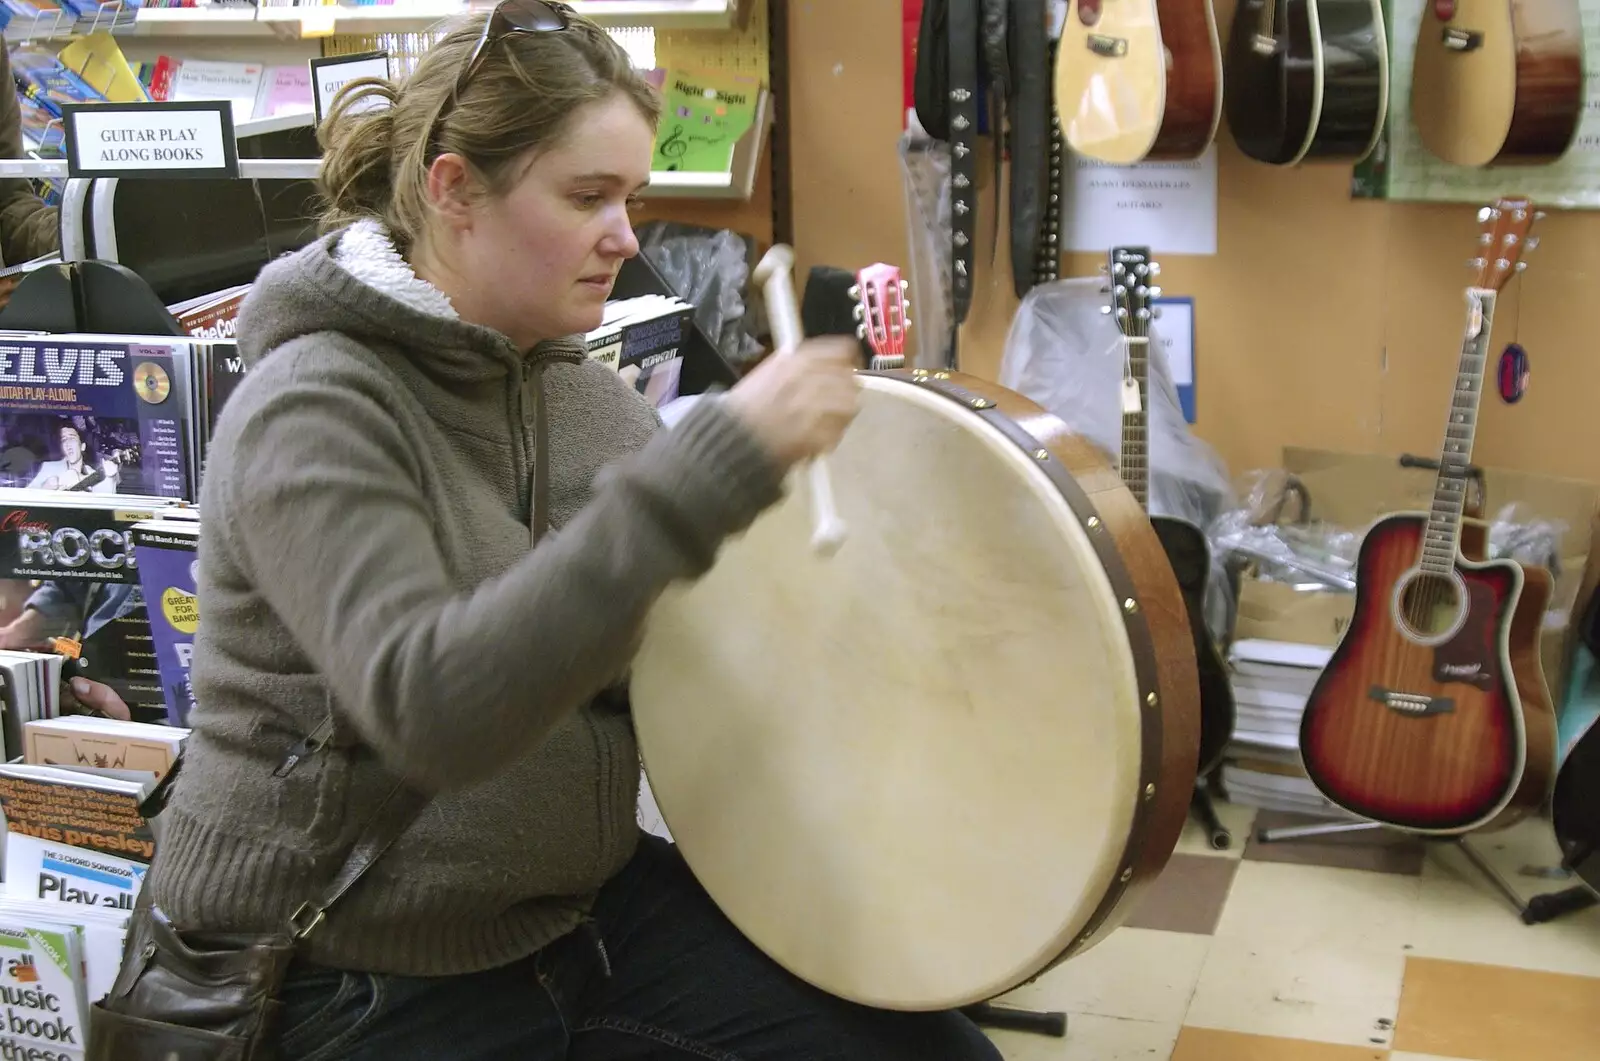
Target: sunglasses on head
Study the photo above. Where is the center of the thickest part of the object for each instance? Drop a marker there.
(508, 17)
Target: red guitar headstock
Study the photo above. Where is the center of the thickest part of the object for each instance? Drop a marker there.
(1504, 239)
(883, 313)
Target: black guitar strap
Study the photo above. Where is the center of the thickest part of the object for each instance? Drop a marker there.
(1049, 259)
(997, 66)
(1030, 136)
(945, 94)
(961, 35)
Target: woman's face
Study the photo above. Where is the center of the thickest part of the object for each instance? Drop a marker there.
(542, 259)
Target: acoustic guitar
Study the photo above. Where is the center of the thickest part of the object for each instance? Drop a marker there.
(1308, 80)
(1433, 715)
(1498, 81)
(1130, 272)
(1139, 79)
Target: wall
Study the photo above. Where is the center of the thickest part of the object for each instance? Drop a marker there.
(1321, 321)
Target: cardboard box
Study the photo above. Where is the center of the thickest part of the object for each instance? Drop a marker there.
(1353, 490)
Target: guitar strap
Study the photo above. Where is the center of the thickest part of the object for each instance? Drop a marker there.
(945, 94)
(1030, 137)
(1048, 267)
(997, 64)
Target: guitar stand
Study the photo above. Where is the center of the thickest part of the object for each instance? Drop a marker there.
(1205, 811)
(1036, 1022)
(1537, 910)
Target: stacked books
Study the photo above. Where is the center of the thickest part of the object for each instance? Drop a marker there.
(1272, 680)
(642, 340)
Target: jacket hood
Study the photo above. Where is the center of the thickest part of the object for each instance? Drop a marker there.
(311, 290)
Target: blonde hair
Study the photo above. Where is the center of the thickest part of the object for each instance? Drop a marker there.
(523, 96)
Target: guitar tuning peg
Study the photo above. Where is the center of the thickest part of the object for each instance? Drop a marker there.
(861, 331)
(1155, 292)
(855, 291)
(1532, 243)
(905, 308)
(905, 285)
(1538, 215)
(1486, 239)
(1521, 266)
(1105, 310)
(860, 312)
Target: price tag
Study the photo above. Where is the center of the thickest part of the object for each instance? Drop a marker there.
(1130, 395)
(331, 73)
(193, 139)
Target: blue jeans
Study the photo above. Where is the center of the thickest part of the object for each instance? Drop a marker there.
(683, 983)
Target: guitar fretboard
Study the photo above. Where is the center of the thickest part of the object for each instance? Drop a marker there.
(1133, 461)
(1450, 486)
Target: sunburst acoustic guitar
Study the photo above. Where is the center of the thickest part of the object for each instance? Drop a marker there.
(1139, 79)
(1498, 82)
(1433, 715)
(1308, 80)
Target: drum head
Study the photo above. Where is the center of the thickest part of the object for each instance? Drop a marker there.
(907, 772)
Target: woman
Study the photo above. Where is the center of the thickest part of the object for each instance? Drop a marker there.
(433, 528)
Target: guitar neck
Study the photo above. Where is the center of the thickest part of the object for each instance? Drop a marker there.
(1450, 485)
(1133, 462)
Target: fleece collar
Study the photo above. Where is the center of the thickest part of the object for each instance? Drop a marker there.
(367, 253)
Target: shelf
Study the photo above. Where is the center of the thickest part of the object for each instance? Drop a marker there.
(404, 17)
(739, 183)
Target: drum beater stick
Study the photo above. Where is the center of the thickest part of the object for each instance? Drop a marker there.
(775, 275)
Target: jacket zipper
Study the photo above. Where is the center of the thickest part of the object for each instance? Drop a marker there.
(535, 429)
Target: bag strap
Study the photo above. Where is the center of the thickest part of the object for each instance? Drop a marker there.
(391, 818)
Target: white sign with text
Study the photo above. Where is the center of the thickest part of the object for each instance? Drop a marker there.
(1170, 207)
(134, 139)
(329, 75)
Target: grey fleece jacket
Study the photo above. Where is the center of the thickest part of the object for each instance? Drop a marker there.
(372, 570)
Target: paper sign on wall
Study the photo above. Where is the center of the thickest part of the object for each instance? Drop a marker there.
(331, 73)
(188, 139)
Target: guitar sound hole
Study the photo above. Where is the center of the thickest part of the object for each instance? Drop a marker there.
(1429, 605)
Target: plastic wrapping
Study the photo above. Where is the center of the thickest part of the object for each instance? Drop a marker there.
(1270, 531)
(710, 268)
(1065, 354)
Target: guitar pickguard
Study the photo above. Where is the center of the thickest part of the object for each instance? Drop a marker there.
(1470, 656)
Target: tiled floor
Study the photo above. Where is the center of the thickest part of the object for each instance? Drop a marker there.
(1353, 948)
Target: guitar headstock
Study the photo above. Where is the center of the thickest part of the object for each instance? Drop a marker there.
(1504, 240)
(882, 311)
(1129, 272)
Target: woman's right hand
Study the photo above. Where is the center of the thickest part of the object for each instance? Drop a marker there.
(799, 403)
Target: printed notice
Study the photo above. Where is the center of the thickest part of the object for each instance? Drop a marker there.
(330, 74)
(1171, 207)
(151, 139)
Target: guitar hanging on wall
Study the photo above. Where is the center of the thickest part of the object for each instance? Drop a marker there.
(1433, 715)
(1496, 82)
(1139, 79)
(1308, 80)
(1131, 272)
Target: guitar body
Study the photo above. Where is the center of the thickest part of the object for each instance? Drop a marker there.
(1321, 93)
(1575, 808)
(1139, 79)
(1498, 81)
(1443, 736)
(1354, 62)
(1190, 556)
